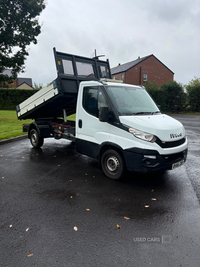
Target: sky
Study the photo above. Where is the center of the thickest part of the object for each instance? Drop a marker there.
(121, 30)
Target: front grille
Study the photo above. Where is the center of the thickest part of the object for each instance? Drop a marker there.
(170, 144)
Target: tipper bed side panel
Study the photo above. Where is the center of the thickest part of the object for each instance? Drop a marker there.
(62, 93)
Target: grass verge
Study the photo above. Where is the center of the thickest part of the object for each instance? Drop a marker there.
(10, 126)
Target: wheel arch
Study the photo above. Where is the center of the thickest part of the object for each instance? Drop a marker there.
(109, 145)
(32, 126)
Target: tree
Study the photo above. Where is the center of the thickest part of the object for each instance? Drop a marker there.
(193, 90)
(174, 96)
(19, 27)
(154, 90)
(37, 86)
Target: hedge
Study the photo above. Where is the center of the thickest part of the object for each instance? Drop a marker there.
(194, 98)
(10, 98)
(170, 96)
(193, 90)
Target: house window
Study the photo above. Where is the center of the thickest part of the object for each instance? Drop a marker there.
(145, 77)
(122, 76)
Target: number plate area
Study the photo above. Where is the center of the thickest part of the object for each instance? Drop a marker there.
(177, 164)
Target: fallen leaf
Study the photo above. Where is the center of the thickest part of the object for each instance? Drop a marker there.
(27, 229)
(30, 255)
(152, 190)
(146, 206)
(153, 199)
(70, 181)
(188, 184)
(75, 228)
(88, 209)
(58, 165)
(71, 197)
(126, 218)
(2, 177)
(86, 174)
(10, 225)
(118, 226)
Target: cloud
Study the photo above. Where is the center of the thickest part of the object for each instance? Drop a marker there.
(120, 30)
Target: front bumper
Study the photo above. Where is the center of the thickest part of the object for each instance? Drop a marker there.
(151, 161)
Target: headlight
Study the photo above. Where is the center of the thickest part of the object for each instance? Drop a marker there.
(142, 135)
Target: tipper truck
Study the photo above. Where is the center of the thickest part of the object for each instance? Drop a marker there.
(116, 123)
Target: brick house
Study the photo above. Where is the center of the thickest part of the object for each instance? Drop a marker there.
(144, 69)
(19, 83)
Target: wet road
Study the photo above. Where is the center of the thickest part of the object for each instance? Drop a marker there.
(192, 126)
(58, 209)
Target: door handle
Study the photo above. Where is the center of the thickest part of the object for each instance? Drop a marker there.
(80, 123)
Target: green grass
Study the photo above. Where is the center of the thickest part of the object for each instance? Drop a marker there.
(10, 126)
(72, 117)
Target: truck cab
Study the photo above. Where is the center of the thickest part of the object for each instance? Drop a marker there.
(122, 126)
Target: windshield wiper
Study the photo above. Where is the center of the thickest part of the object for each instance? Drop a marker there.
(146, 113)
(156, 112)
(142, 113)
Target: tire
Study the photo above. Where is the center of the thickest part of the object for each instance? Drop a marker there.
(112, 164)
(36, 141)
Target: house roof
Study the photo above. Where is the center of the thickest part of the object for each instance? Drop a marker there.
(25, 80)
(125, 67)
(20, 80)
(24, 85)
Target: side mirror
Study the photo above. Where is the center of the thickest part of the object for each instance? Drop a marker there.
(104, 114)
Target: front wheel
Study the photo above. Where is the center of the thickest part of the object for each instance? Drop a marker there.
(112, 164)
(36, 141)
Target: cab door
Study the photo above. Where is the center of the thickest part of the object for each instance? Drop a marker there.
(91, 132)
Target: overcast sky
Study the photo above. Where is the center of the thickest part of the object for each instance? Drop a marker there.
(121, 30)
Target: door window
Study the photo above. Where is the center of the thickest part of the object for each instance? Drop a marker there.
(93, 100)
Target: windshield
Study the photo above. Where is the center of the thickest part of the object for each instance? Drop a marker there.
(132, 100)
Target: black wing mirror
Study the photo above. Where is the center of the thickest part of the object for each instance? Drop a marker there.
(104, 114)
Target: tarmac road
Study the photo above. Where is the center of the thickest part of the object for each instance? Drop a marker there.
(58, 209)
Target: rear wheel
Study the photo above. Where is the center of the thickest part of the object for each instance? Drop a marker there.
(36, 141)
(112, 164)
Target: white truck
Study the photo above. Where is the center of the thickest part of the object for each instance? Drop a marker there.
(118, 124)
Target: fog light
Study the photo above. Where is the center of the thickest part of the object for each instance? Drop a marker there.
(150, 161)
(149, 157)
